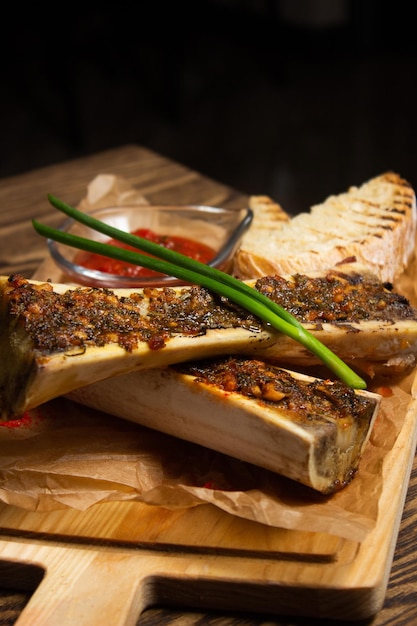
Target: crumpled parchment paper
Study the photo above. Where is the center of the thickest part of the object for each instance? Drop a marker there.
(66, 455)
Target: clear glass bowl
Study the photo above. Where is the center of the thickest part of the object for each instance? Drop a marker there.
(219, 228)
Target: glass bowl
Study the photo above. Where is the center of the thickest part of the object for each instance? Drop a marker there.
(219, 228)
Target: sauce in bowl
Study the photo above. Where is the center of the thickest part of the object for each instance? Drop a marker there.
(193, 249)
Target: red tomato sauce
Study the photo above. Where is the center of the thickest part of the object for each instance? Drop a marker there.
(193, 249)
(18, 422)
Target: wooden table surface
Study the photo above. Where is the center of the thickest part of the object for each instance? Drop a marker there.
(22, 198)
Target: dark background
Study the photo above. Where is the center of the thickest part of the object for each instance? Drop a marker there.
(280, 97)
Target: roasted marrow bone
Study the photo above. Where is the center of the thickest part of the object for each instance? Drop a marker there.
(308, 429)
(362, 319)
(54, 338)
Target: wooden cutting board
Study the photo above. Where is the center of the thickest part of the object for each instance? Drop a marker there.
(119, 558)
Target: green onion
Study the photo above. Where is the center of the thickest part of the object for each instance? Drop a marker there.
(169, 255)
(175, 264)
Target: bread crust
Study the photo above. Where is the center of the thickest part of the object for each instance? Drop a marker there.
(375, 224)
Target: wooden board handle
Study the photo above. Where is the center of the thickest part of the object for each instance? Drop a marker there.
(81, 586)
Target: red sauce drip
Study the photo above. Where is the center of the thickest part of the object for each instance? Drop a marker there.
(193, 249)
(18, 422)
(385, 392)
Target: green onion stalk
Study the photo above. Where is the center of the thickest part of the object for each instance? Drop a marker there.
(188, 270)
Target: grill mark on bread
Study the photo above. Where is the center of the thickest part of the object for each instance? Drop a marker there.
(375, 222)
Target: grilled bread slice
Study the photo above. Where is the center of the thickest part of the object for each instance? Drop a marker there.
(375, 224)
(56, 338)
(267, 215)
(307, 429)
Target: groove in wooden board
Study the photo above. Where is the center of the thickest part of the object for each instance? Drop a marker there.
(351, 585)
(202, 529)
(201, 557)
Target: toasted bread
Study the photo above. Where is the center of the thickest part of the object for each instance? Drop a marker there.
(375, 224)
(267, 214)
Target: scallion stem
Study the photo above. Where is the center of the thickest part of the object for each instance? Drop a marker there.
(170, 255)
(193, 272)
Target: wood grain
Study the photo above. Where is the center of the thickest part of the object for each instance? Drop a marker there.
(21, 250)
(24, 197)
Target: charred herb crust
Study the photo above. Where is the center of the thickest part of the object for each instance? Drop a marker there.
(91, 316)
(337, 297)
(304, 400)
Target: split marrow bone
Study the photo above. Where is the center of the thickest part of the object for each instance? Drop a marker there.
(310, 430)
(55, 338)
